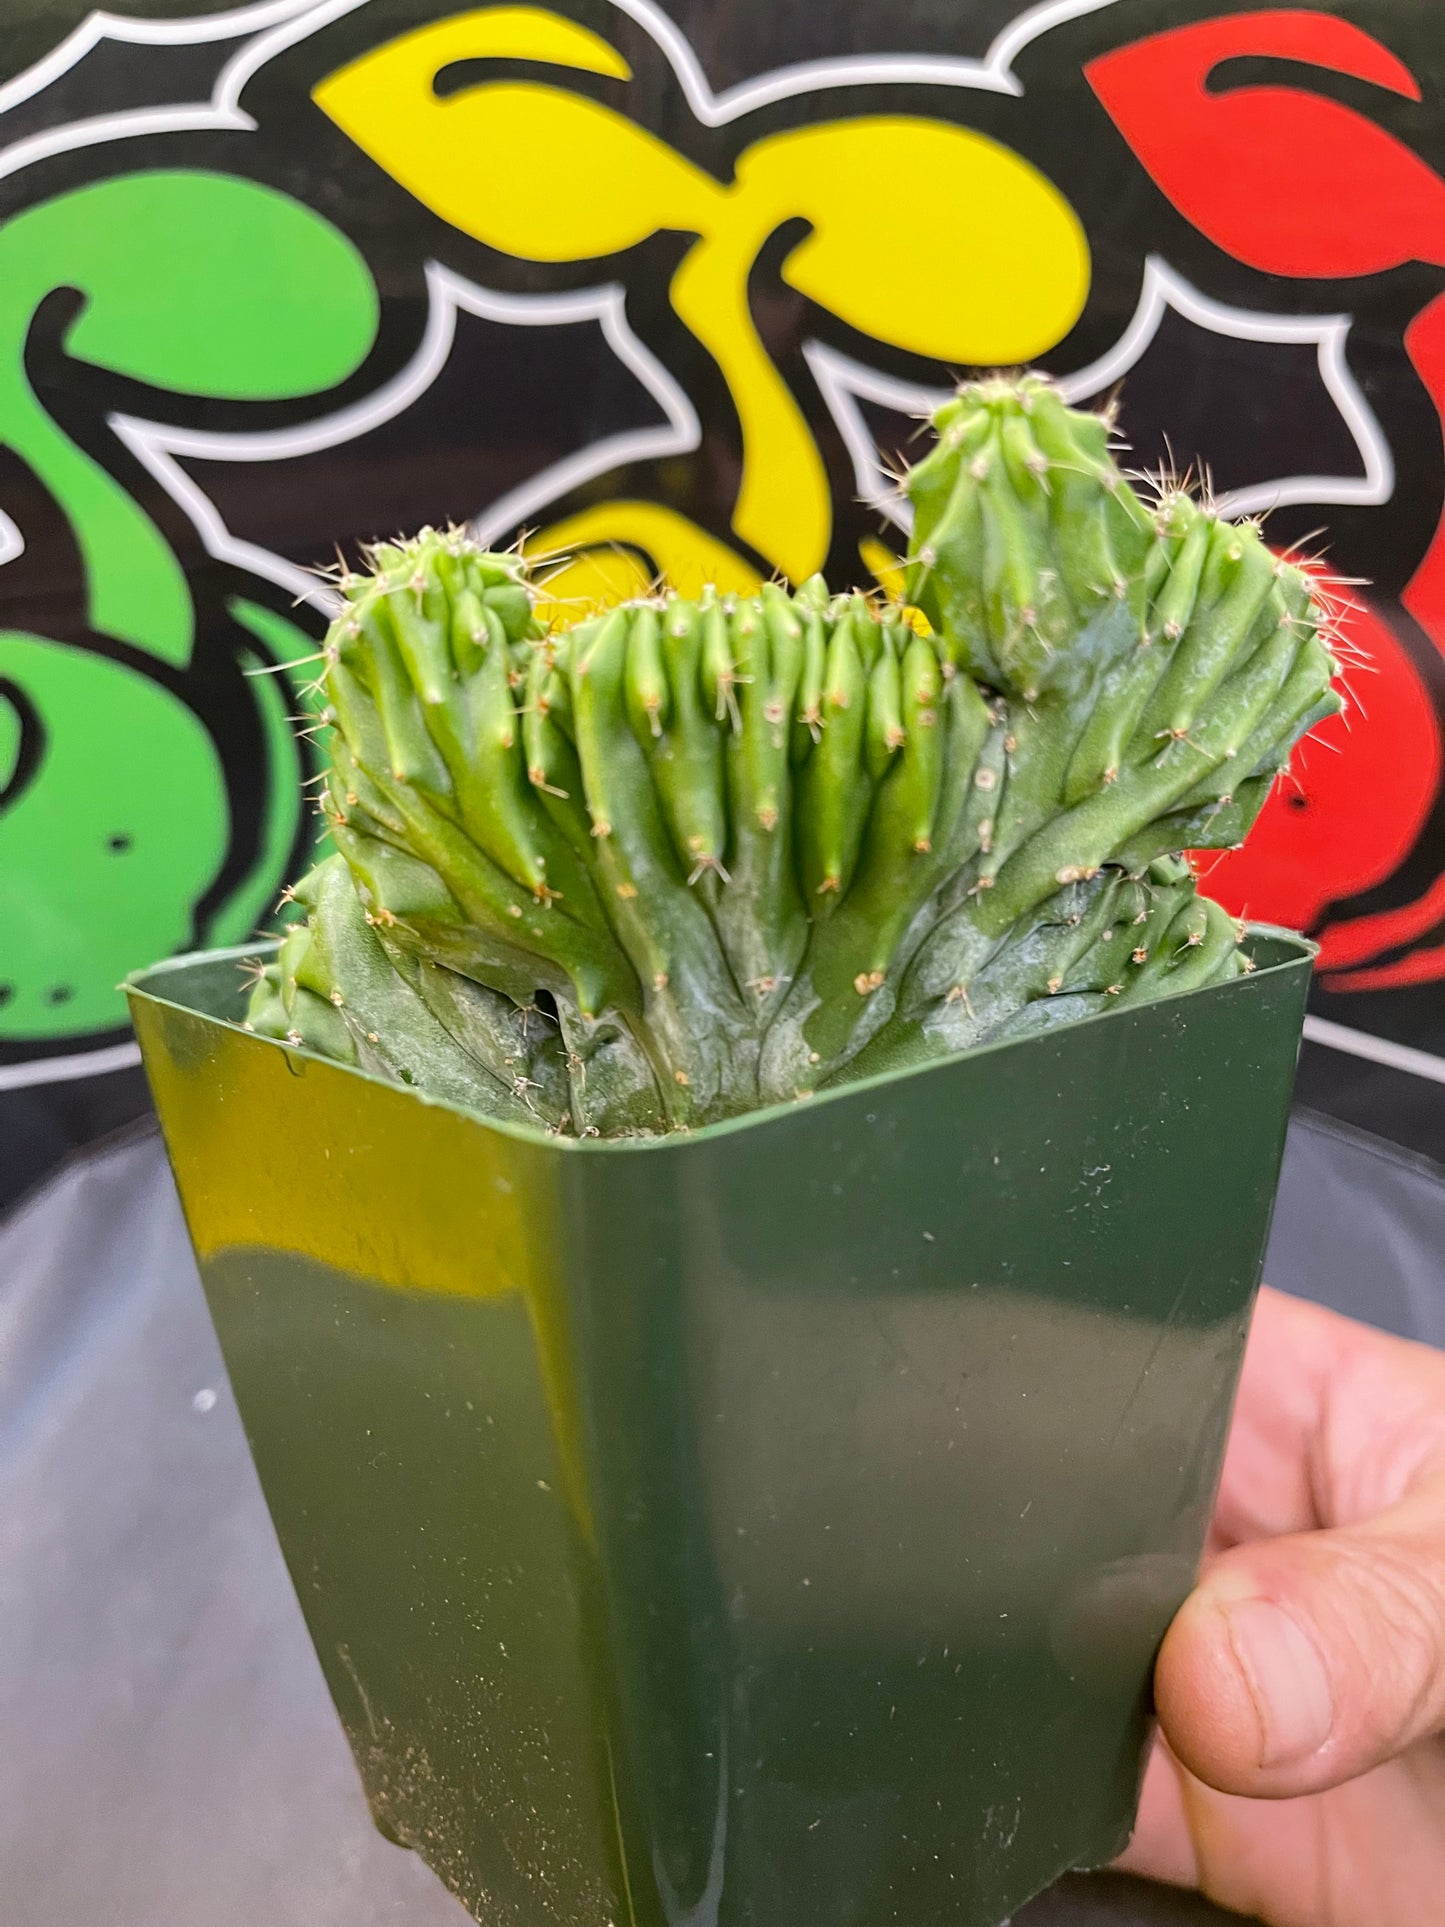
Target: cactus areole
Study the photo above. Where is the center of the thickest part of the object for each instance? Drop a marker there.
(675, 861)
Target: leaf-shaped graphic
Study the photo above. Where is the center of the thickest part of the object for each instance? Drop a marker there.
(197, 284)
(1282, 179)
(530, 170)
(982, 261)
(118, 828)
(619, 549)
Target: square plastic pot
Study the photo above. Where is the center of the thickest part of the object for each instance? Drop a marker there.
(768, 1527)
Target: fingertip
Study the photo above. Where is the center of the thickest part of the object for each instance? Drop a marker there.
(1244, 1689)
(1206, 1704)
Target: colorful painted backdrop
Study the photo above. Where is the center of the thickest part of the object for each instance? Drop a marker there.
(667, 288)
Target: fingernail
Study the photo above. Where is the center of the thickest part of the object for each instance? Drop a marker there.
(1286, 1677)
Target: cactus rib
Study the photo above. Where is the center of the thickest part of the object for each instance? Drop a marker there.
(692, 855)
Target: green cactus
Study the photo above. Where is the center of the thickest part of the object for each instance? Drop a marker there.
(692, 856)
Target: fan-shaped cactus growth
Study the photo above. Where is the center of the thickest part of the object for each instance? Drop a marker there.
(689, 857)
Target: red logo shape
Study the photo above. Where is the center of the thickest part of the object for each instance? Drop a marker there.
(1358, 796)
(1284, 180)
(1292, 183)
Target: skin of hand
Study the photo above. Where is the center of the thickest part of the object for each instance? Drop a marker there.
(1299, 1775)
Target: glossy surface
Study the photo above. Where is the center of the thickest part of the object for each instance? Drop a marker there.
(763, 1527)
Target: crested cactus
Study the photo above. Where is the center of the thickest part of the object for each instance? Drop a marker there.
(688, 857)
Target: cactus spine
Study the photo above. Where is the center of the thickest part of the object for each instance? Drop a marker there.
(688, 857)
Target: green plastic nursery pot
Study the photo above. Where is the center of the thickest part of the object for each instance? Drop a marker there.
(767, 1527)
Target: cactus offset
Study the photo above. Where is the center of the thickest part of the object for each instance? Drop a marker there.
(688, 857)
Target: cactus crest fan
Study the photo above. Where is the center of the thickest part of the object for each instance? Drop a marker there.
(689, 857)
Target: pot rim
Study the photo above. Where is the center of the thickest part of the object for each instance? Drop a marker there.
(1287, 949)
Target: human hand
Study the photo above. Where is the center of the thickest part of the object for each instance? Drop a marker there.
(1300, 1772)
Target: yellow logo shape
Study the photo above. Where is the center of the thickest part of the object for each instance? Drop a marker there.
(927, 236)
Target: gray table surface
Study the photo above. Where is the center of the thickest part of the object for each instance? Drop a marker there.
(170, 1756)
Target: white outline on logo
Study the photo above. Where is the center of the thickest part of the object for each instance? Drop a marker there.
(294, 23)
(1164, 287)
(12, 542)
(192, 30)
(157, 445)
(843, 383)
(841, 380)
(284, 23)
(993, 73)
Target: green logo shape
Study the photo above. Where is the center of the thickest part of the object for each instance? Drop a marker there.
(114, 809)
(120, 827)
(197, 284)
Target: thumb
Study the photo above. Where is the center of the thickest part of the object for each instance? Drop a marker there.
(1302, 1662)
